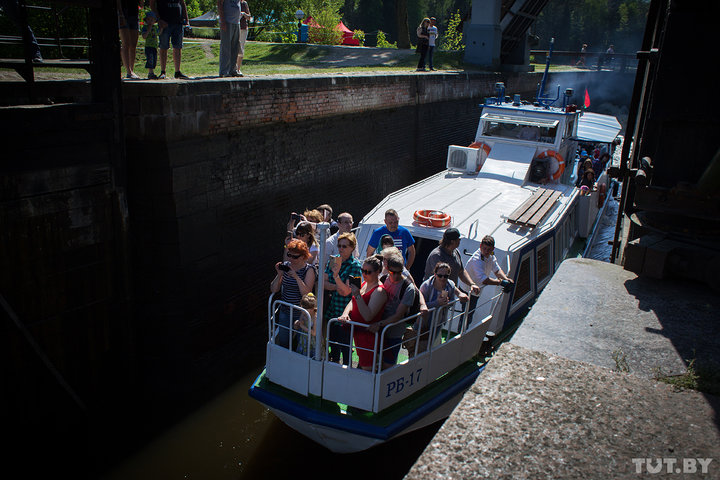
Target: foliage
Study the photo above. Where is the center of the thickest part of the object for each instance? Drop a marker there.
(195, 8)
(382, 41)
(620, 359)
(326, 31)
(452, 39)
(360, 36)
(598, 23)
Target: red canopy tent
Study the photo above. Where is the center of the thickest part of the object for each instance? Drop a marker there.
(347, 35)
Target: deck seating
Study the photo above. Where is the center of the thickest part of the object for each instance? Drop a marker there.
(534, 209)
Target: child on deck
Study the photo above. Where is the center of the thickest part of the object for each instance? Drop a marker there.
(309, 303)
(151, 34)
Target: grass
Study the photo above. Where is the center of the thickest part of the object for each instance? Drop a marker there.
(200, 58)
(703, 378)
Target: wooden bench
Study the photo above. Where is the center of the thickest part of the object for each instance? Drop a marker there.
(534, 209)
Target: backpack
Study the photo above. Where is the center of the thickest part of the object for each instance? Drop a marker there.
(415, 307)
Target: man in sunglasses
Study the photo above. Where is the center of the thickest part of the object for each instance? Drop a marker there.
(447, 252)
(483, 266)
(344, 223)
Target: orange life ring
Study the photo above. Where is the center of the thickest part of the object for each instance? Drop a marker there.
(560, 160)
(486, 148)
(432, 218)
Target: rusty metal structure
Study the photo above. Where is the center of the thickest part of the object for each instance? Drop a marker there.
(669, 224)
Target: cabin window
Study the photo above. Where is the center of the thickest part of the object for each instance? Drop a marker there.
(544, 263)
(514, 128)
(524, 281)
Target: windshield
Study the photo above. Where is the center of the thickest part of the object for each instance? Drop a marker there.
(524, 131)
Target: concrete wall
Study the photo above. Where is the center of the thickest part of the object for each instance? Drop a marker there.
(66, 340)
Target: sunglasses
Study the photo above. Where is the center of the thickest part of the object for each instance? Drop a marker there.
(367, 272)
(343, 246)
(292, 255)
(396, 273)
(447, 275)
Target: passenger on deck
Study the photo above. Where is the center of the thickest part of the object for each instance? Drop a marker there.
(314, 216)
(483, 264)
(367, 306)
(338, 273)
(294, 278)
(305, 231)
(588, 180)
(403, 239)
(345, 223)
(327, 212)
(305, 327)
(600, 163)
(447, 252)
(439, 290)
(401, 294)
(386, 241)
(583, 166)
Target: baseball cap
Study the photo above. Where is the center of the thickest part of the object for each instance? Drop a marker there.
(451, 234)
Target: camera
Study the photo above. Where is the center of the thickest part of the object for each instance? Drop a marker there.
(355, 281)
(284, 267)
(296, 217)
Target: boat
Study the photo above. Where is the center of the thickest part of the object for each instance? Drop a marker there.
(514, 183)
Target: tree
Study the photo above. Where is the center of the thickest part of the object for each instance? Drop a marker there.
(401, 16)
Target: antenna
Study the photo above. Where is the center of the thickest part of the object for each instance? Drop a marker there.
(541, 98)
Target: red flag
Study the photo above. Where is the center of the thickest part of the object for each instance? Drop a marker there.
(586, 104)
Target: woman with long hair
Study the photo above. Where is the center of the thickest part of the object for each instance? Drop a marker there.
(367, 305)
(423, 42)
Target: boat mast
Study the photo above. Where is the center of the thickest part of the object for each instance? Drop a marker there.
(541, 98)
(323, 228)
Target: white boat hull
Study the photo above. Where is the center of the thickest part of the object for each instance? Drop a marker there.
(342, 441)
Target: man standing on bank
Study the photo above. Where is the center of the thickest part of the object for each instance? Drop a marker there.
(401, 235)
(229, 18)
(172, 18)
(447, 252)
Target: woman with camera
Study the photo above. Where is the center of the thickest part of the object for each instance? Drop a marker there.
(294, 279)
(341, 270)
(367, 306)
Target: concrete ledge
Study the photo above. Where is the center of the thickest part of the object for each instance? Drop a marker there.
(591, 308)
(533, 415)
(548, 406)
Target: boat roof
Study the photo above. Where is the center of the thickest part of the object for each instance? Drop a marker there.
(596, 127)
(478, 204)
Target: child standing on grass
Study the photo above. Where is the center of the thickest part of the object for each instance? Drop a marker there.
(151, 34)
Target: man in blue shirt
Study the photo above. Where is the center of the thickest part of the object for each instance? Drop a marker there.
(401, 235)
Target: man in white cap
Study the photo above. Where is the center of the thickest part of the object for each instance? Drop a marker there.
(448, 252)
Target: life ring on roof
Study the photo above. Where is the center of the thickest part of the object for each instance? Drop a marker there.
(432, 218)
(485, 148)
(560, 162)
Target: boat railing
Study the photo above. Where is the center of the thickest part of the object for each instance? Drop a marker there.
(277, 332)
(435, 343)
